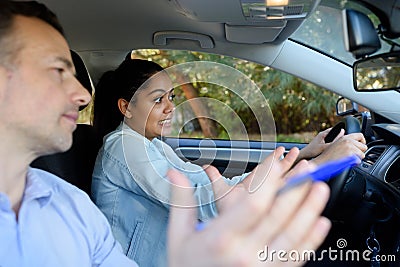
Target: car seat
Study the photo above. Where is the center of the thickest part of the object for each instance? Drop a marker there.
(76, 164)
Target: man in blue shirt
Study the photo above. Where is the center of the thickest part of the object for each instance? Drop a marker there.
(45, 221)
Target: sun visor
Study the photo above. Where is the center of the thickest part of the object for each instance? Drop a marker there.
(253, 34)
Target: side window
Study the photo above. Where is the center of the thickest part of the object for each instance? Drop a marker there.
(298, 109)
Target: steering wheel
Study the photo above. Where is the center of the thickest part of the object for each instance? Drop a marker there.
(336, 184)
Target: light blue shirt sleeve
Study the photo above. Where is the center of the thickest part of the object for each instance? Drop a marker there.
(107, 251)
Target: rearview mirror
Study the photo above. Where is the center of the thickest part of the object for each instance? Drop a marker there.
(377, 73)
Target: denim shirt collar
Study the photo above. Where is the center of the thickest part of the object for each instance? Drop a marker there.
(124, 128)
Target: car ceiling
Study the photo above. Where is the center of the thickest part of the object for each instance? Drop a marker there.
(137, 21)
(103, 32)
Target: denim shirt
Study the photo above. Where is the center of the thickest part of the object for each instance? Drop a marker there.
(130, 186)
(57, 225)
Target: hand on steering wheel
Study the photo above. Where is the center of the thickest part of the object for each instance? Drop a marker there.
(349, 124)
(352, 142)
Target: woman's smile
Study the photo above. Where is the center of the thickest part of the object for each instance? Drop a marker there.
(165, 122)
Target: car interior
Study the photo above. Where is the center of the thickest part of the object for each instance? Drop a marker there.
(365, 200)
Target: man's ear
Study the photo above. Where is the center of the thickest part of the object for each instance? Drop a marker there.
(123, 107)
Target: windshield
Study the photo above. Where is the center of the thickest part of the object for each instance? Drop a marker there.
(323, 30)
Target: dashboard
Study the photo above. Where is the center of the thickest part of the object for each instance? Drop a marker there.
(382, 159)
(368, 207)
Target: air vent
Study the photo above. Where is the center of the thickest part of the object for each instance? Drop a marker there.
(372, 155)
(294, 10)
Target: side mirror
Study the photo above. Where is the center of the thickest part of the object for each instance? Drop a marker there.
(360, 35)
(345, 106)
(377, 73)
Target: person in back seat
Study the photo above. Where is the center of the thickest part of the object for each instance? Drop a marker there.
(133, 107)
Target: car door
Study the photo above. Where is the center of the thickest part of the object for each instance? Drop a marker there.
(230, 157)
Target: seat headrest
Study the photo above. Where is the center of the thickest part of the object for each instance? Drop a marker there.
(81, 72)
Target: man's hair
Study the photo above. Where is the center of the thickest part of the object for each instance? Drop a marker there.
(8, 11)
